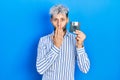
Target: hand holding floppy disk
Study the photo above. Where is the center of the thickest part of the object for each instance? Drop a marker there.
(74, 26)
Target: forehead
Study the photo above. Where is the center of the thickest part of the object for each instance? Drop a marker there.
(59, 16)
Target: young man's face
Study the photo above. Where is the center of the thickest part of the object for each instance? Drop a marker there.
(59, 20)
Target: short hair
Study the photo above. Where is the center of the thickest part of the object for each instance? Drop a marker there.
(56, 9)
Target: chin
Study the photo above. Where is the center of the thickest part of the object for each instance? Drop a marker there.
(64, 28)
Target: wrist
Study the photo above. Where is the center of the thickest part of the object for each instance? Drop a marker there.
(80, 46)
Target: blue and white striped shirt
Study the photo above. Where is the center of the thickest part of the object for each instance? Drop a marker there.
(59, 63)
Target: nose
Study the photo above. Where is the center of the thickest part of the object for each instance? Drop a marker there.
(58, 23)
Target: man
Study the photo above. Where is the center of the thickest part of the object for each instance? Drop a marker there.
(58, 51)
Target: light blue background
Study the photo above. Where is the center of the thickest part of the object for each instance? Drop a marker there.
(23, 22)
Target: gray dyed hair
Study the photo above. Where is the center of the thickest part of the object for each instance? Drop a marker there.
(59, 9)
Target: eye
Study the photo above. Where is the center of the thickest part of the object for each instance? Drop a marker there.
(62, 19)
(55, 19)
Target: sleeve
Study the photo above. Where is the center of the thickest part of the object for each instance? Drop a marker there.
(83, 60)
(45, 59)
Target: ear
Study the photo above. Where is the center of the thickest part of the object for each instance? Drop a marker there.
(67, 20)
(51, 20)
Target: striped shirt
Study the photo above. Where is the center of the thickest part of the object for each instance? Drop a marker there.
(59, 63)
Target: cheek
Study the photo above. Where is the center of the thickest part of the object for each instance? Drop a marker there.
(63, 24)
(54, 23)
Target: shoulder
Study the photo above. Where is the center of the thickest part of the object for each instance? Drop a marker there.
(45, 39)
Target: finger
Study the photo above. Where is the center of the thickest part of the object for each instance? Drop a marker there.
(79, 35)
(77, 32)
(60, 32)
(82, 35)
(81, 38)
(77, 39)
(56, 32)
